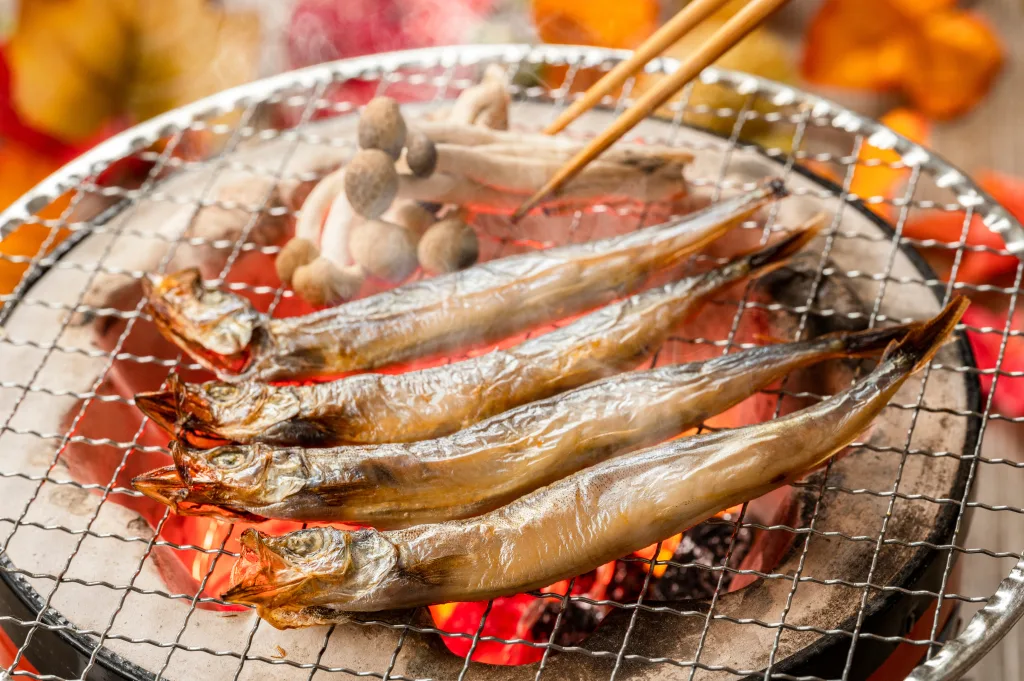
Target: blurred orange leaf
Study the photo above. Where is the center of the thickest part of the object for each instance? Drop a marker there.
(875, 175)
(954, 60)
(20, 169)
(942, 58)
(605, 23)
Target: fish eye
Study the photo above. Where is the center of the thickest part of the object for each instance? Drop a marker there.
(304, 543)
(231, 458)
(221, 391)
(213, 296)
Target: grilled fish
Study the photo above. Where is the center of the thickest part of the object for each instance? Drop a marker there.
(603, 512)
(481, 304)
(489, 464)
(420, 405)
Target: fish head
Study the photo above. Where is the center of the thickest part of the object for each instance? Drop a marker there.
(289, 568)
(315, 566)
(216, 327)
(241, 474)
(217, 410)
(166, 486)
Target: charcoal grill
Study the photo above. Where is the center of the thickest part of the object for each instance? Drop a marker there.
(83, 578)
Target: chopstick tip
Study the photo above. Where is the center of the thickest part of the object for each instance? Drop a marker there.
(527, 205)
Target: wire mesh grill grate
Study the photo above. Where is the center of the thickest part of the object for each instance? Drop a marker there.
(209, 140)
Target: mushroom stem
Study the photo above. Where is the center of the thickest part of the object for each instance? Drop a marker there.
(295, 254)
(337, 228)
(314, 210)
(524, 175)
(411, 215)
(331, 278)
(532, 144)
(446, 188)
(485, 103)
(323, 283)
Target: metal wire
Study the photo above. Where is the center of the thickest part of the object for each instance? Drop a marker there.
(444, 72)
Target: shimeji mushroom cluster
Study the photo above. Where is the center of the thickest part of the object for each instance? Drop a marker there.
(403, 199)
(352, 226)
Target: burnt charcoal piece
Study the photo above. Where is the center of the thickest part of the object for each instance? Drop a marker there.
(791, 285)
(579, 621)
(706, 544)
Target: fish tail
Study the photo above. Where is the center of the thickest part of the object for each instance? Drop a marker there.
(768, 191)
(870, 341)
(924, 340)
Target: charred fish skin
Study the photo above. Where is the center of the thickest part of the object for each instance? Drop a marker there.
(573, 525)
(421, 405)
(496, 461)
(481, 304)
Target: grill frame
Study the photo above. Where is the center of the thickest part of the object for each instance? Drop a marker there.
(139, 137)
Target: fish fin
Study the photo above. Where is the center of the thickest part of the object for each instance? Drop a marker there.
(763, 261)
(297, 431)
(348, 493)
(320, 615)
(364, 481)
(922, 342)
(769, 339)
(436, 571)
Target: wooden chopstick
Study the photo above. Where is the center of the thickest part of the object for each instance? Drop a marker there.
(734, 30)
(678, 26)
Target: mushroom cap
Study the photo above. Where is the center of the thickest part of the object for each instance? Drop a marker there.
(384, 249)
(420, 154)
(371, 182)
(296, 253)
(448, 246)
(381, 126)
(321, 282)
(413, 216)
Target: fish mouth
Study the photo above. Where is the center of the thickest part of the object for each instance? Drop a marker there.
(163, 485)
(182, 413)
(161, 407)
(166, 486)
(256, 571)
(219, 334)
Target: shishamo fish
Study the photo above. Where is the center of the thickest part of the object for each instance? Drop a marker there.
(571, 526)
(481, 304)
